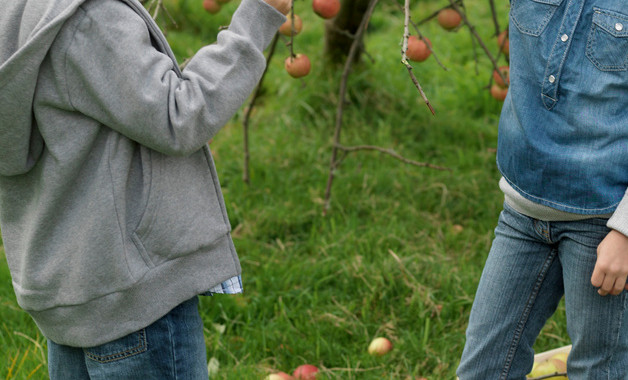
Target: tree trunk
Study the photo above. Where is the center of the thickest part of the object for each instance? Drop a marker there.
(339, 31)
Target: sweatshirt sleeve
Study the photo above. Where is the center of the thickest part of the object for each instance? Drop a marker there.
(115, 75)
(619, 220)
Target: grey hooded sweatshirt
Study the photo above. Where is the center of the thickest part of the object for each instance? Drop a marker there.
(110, 208)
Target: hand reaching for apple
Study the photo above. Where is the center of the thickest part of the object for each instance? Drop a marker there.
(282, 6)
(611, 267)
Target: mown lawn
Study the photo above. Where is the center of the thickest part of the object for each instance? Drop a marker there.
(402, 248)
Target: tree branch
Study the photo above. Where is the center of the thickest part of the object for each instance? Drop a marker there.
(392, 153)
(249, 109)
(404, 58)
(341, 98)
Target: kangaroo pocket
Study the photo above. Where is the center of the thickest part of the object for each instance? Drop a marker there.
(607, 44)
(532, 16)
(185, 210)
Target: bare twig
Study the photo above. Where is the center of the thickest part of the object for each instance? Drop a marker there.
(341, 97)
(292, 30)
(494, 14)
(249, 109)
(404, 58)
(391, 153)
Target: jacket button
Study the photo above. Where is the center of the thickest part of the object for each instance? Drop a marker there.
(551, 79)
(619, 26)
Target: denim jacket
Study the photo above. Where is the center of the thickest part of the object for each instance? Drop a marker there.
(563, 131)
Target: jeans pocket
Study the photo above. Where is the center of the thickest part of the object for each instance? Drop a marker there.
(607, 44)
(125, 347)
(532, 16)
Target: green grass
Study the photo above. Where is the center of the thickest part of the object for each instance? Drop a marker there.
(319, 288)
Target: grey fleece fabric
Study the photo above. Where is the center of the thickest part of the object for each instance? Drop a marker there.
(110, 208)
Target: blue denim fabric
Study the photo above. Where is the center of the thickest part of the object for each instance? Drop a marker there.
(171, 348)
(531, 265)
(563, 131)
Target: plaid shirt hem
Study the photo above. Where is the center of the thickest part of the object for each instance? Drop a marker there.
(230, 286)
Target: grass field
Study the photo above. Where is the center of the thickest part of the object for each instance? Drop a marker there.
(402, 248)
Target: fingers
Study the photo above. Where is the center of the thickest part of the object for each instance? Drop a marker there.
(608, 284)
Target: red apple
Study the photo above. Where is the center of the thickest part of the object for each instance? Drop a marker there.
(417, 49)
(380, 346)
(326, 8)
(503, 45)
(279, 376)
(286, 27)
(498, 92)
(297, 66)
(305, 372)
(211, 6)
(505, 70)
(449, 18)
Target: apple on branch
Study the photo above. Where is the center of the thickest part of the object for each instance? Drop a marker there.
(449, 19)
(505, 70)
(286, 27)
(212, 6)
(297, 66)
(418, 49)
(499, 92)
(503, 42)
(326, 8)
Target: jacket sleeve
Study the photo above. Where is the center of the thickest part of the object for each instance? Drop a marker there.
(115, 75)
(619, 220)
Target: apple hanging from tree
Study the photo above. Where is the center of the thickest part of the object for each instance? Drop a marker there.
(286, 27)
(503, 42)
(505, 70)
(306, 372)
(418, 50)
(449, 19)
(297, 66)
(326, 8)
(212, 6)
(499, 92)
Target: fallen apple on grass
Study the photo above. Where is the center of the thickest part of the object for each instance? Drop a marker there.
(380, 346)
(297, 66)
(555, 365)
(326, 8)
(418, 49)
(279, 376)
(306, 372)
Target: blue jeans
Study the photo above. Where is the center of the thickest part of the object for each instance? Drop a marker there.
(171, 348)
(531, 265)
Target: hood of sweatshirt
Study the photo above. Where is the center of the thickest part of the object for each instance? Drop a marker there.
(27, 30)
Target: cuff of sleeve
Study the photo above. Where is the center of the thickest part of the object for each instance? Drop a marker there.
(619, 220)
(258, 20)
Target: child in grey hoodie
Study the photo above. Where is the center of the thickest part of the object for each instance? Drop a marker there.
(111, 213)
